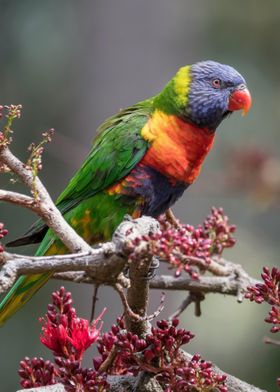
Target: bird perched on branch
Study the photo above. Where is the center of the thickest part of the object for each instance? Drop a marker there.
(141, 162)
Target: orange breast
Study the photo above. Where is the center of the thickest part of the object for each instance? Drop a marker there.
(177, 149)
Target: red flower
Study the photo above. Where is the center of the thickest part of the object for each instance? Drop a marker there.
(82, 334)
(269, 292)
(54, 337)
(70, 338)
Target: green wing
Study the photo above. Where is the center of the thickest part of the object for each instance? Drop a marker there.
(116, 150)
(118, 147)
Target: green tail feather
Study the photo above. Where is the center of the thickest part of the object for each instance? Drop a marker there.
(20, 293)
(25, 287)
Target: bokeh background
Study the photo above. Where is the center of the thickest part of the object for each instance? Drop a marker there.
(73, 63)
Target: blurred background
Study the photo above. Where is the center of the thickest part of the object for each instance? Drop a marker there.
(71, 64)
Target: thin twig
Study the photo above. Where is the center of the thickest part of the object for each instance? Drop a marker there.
(171, 218)
(197, 303)
(158, 310)
(127, 310)
(94, 300)
(191, 297)
(18, 199)
(215, 267)
(109, 360)
(268, 340)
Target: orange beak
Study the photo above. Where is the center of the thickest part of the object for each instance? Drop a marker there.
(240, 99)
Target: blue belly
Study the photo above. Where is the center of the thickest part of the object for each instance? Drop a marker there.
(154, 189)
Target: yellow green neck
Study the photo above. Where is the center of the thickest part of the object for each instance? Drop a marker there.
(173, 99)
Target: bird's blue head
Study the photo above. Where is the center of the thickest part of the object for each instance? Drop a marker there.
(204, 94)
(215, 90)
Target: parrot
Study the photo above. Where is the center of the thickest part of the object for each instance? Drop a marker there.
(141, 161)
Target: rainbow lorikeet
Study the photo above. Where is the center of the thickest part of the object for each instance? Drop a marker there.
(141, 162)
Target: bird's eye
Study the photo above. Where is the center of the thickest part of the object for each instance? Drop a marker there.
(216, 83)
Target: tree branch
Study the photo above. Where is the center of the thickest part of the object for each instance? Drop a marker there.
(223, 285)
(138, 295)
(103, 264)
(42, 204)
(18, 199)
(229, 285)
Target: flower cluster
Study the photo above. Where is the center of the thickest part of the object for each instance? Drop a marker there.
(3, 233)
(134, 354)
(126, 345)
(34, 162)
(158, 353)
(121, 352)
(198, 374)
(269, 292)
(36, 372)
(164, 343)
(64, 333)
(185, 247)
(75, 378)
(36, 151)
(68, 337)
(13, 112)
(217, 228)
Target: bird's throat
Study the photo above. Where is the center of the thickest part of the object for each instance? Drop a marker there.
(177, 149)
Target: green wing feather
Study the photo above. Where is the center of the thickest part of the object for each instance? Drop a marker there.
(116, 150)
